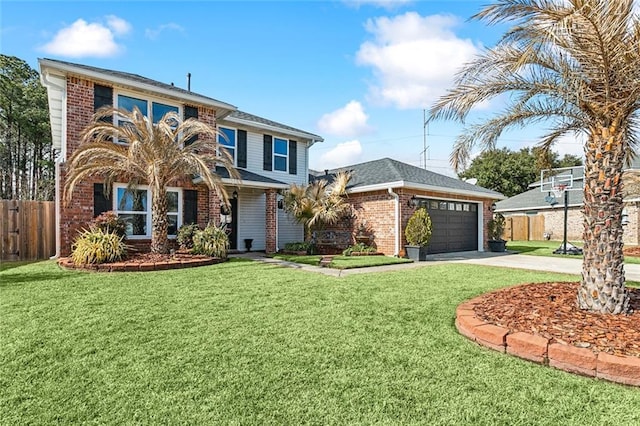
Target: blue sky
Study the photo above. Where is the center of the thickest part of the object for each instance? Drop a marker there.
(358, 72)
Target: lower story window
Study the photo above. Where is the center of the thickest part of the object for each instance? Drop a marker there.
(134, 207)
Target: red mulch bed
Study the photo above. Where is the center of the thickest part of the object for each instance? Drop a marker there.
(549, 310)
(632, 251)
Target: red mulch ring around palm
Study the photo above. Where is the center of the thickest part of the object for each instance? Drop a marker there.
(632, 251)
(549, 310)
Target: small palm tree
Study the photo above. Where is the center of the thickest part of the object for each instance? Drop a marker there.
(151, 153)
(572, 64)
(319, 203)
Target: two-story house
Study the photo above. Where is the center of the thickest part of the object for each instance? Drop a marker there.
(269, 156)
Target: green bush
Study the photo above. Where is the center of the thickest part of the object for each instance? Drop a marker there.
(418, 230)
(109, 222)
(358, 248)
(496, 227)
(185, 235)
(211, 241)
(299, 246)
(94, 245)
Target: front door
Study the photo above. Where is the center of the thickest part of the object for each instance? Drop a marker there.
(232, 227)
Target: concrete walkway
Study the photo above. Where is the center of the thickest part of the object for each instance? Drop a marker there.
(568, 265)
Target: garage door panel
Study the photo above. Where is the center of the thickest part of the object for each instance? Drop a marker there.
(453, 229)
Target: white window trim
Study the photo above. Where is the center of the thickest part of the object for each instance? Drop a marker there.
(273, 155)
(148, 212)
(235, 142)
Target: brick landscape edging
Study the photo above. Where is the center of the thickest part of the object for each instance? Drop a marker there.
(583, 361)
(67, 263)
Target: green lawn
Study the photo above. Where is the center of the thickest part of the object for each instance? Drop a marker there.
(546, 248)
(255, 343)
(345, 262)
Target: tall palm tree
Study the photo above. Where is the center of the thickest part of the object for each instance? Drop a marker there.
(318, 203)
(574, 66)
(151, 153)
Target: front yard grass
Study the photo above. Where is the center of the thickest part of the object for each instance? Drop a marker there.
(546, 248)
(252, 343)
(344, 262)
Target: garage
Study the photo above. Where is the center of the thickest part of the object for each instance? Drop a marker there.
(454, 225)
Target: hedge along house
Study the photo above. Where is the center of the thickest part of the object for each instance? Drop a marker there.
(384, 194)
(537, 214)
(268, 157)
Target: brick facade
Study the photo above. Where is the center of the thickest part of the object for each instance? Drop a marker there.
(271, 218)
(77, 214)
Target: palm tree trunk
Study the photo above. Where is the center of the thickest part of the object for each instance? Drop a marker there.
(159, 225)
(602, 288)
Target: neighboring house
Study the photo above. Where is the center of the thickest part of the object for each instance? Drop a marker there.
(384, 194)
(543, 214)
(268, 156)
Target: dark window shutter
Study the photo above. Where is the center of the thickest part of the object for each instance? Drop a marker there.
(102, 96)
(242, 149)
(190, 112)
(293, 157)
(190, 210)
(100, 202)
(268, 153)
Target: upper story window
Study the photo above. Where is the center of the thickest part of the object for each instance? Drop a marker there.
(134, 207)
(228, 139)
(146, 106)
(280, 154)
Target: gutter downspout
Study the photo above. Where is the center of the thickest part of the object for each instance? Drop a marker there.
(44, 77)
(396, 211)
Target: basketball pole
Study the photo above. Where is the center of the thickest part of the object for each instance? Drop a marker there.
(566, 219)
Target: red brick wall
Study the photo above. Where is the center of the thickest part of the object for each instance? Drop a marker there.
(77, 214)
(271, 206)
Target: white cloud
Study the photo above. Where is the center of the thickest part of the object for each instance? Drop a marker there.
(570, 144)
(348, 121)
(83, 39)
(414, 58)
(154, 33)
(343, 154)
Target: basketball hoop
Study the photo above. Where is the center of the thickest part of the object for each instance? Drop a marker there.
(558, 190)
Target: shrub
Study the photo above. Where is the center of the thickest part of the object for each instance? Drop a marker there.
(211, 241)
(496, 227)
(299, 246)
(185, 235)
(358, 248)
(94, 245)
(418, 230)
(109, 222)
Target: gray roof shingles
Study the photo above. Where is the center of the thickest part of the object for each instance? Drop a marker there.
(534, 199)
(254, 118)
(387, 170)
(248, 176)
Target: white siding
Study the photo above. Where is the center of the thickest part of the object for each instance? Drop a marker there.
(255, 144)
(252, 218)
(288, 230)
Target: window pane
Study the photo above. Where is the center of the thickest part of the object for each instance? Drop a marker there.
(172, 201)
(433, 205)
(159, 110)
(280, 163)
(172, 220)
(127, 102)
(232, 153)
(132, 201)
(230, 139)
(136, 223)
(443, 205)
(280, 146)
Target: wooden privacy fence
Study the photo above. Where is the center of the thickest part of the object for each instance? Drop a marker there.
(524, 228)
(27, 229)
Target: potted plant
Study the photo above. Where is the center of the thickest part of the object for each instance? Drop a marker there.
(418, 234)
(496, 229)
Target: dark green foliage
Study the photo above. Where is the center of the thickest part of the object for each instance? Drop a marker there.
(418, 230)
(211, 241)
(110, 222)
(306, 246)
(358, 248)
(185, 235)
(495, 227)
(26, 157)
(95, 245)
(511, 172)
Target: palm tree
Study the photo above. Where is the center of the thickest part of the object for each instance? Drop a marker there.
(573, 65)
(151, 153)
(319, 203)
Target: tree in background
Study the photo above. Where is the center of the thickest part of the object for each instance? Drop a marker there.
(511, 172)
(26, 156)
(572, 65)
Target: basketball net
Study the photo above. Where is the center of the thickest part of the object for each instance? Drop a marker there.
(558, 190)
